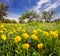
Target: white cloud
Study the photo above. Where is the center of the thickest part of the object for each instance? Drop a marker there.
(48, 5)
(53, 6)
(12, 16)
(39, 5)
(58, 16)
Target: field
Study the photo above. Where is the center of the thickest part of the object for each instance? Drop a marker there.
(30, 39)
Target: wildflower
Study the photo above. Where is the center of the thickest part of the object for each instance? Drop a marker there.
(54, 34)
(17, 39)
(40, 45)
(25, 35)
(1, 26)
(3, 37)
(35, 32)
(34, 37)
(25, 46)
(45, 33)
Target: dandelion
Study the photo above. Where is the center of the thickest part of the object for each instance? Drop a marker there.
(1, 26)
(34, 37)
(35, 32)
(25, 46)
(54, 34)
(25, 35)
(40, 45)
(46, 33)
(3, 37)
(17, 39)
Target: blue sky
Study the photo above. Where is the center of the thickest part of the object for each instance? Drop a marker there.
(18, 7)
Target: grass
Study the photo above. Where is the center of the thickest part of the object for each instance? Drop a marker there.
(14, 36)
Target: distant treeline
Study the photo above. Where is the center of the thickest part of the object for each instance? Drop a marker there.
(28, 16)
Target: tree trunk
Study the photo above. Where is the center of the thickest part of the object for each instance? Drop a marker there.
(31, 19)
(1, 18)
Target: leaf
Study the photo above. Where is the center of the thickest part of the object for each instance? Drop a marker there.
(50, 54)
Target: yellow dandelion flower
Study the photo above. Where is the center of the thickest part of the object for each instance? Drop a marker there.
(54, 34)
(25, 35)
(1, 26)
(35, 32)
(3, 37)
(46, 33)
(40, 45)
(34, 37)
(17, 39)
(25, 46)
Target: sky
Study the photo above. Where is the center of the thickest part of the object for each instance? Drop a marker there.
(18, 7)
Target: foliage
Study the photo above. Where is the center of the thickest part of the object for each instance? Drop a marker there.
(3, 10)
(48, 15)
(8, 21)
(29, 15)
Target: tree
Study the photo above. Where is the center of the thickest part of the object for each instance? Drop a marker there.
(48, 15)
(3, 10)
(9, 21)
(13, 21)
(45, 15)
(30, 15)
(51, 14)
